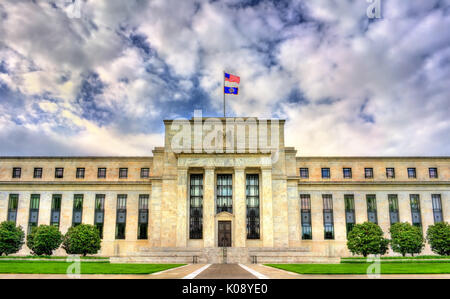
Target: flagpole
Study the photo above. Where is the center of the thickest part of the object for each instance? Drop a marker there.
(223, 90)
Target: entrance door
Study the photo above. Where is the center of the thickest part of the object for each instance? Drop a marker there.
(224, 234)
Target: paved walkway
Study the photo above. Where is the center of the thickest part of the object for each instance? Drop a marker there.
(225, 271)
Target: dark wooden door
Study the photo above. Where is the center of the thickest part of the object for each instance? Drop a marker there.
(224, 234)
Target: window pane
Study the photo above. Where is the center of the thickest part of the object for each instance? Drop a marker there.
(252, 200)
(224, 193)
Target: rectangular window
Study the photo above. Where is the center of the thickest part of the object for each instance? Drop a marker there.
(77, 214)
(123, 173)
(37, 173)
(252, 200)
(101, 173)
(415, 209)
(59, 172)
(349, 201)
(17, 171)
(34, 211)
(145, 173)
(390, 173)
(224, 193)
(328, 221)
(411, 173)
(437, 207)
(55, 210)
(80, 173)
(325, 173)
(196, 206)
(13, 204)
(433, 173)
(368, 173)
(121, 216)
(304, 173)
(347, 173)
(99, 213)
(372, 208)
(393, 208)
(305, 210)
(143, 217)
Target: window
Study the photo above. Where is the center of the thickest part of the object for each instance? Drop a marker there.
(59, 172)
(349, 202)
(143, 217)
(34, 211)
(196, 206)
(13, 204)
(37, 173)
(368, 173)
(80, 173)
(393, 208)
(411, 173)
(304, 173)
(372, 208)
(101, 173)
(99, 213)
(121, 216)
(437, 207)
(305, 202)
(123, 173)
(252, 200)
(77, 209)
(347, 173)
(17, 171)
(325, 173)
(145, 173)
(390, 173)
(415, 209)
(328, 221)
(224, 193)
(55, 210)
(433, 173)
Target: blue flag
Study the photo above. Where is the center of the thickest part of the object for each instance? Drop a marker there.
(231, 90)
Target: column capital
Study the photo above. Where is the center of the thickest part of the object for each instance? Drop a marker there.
(239, 168)
(182, 168)
(266, 168)
(209, 168)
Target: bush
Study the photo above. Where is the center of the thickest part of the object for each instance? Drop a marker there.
(438, 235)
(82, 239)
(11, 237)
(44, 239)
(406, 238)
(367, 238)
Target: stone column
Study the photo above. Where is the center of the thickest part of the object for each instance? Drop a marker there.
(45, 204)
(239, 208)
(266, 207)
(208, 208)
(132, 216)
(89, 207)
(182, 207)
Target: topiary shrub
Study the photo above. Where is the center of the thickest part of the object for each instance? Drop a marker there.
(438, 235)
(44, 239)
(11, 237)
(82, 239)
(367, 238)
(406, 238)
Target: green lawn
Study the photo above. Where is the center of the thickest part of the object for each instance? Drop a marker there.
(57, 267)
(51, 257)
(386, 268)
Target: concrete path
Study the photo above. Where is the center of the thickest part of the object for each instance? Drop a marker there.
(225, 271)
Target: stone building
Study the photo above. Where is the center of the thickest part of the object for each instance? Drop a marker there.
(224, 189)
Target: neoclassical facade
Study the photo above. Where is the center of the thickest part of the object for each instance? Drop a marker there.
(224, 189)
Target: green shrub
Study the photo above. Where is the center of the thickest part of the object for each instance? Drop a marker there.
(367, 238)
(11, 237)
(438, 235)
(44, 239)
(406, 238)
(82, 239)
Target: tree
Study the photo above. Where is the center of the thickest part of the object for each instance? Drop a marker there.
(406, 238)
(438, 235)
(44, 239)
(367, 238)
(82, 239)
(11, 237)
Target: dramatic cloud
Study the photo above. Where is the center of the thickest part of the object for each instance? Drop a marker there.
(100, 82)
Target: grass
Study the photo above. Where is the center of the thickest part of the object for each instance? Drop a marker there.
(360, 268)
(58, 267)
(51, 257)
(422, 257)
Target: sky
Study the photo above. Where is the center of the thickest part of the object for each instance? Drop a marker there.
(99, 77)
